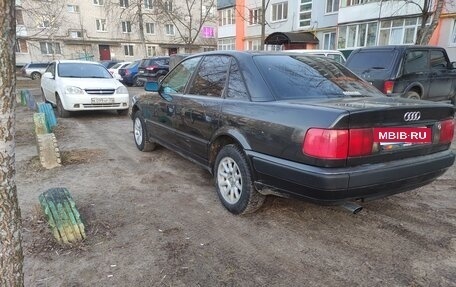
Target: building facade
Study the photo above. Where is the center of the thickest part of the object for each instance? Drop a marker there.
(111, 29)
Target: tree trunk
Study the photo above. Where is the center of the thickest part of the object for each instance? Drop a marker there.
(425, 32)
(11, 257)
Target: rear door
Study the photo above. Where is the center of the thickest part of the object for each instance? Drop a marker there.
(441, 77)
(202, 104)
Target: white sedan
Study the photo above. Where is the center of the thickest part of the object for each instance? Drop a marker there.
(114, 70)
(72, 85)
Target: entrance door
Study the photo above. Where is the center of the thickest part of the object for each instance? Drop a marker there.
(172, 51)
(105, 52)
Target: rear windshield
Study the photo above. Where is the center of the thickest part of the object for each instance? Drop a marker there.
(78, 70)
(372, 59)
(132, 65)
(302, 77)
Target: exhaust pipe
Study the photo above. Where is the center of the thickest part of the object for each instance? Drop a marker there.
(352, 207)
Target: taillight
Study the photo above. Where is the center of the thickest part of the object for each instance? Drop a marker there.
(338, 144)
(151, 68)
(388, 87)
(447, 131)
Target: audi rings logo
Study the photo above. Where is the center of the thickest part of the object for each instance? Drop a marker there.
(412, 116)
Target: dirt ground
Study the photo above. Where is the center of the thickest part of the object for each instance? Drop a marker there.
(154, 219)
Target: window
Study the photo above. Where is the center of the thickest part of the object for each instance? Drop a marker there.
(169, 29)
(208, 10)
(399, 31)
(73, 8)
(332, 6)
(44, 23)
(178, 77)
(208, 32)
(254, 16)
(280, 11)
(150, 28)
(453, 35)
(128, 50)
(21, 46)
(236, 86)
(123, 3)
(148, 4)
(101, 25)
(168, 5)
(126, 26)
(329, 41)
(19, 18)
(75, 34)
(98, 2)
(226, 44)
(358, 35)
(438, 60)
(416, 61)
(305, 13)
(151, 51)
(254, 45)
(346, 3)
(226, 17)
(211, 76)
(49, 48)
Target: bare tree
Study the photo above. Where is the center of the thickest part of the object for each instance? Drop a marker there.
(11, 256)
(188, 18)
(46, 21)
(429, 10)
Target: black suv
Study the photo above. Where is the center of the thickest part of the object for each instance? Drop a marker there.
(153, 69)
(416, 72)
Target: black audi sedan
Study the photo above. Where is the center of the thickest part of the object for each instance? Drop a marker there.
(292, 125)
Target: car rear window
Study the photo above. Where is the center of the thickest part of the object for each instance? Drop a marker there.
(372, 59)
(41, 65)
(301, 77)
(78, 70)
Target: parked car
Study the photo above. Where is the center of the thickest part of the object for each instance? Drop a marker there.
(291, 125)
(416, 72)
(129, 74)
(34, 70)
(114, 70)
(333, 54)
(72, 85)
(153, 69)
(108, 63)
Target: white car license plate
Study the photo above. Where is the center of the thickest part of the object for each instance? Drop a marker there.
(102, 100)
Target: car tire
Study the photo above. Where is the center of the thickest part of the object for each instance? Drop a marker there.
(412, 95)
(140, 133)
(35, 76)
(61, 112)
(233, 181)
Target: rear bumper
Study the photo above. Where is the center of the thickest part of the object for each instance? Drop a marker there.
(335, 185)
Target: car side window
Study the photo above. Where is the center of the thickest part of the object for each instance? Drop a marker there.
(176, 81)
(211, 76)
(438, 60)
(416, 61)
(51, 69)
(236, 86)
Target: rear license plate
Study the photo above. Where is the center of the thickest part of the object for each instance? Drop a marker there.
(102, 100)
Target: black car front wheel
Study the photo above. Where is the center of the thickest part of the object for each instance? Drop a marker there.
(234, 183)
(140, 133)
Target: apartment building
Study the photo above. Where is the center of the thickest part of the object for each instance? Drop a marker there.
(445, 33)
(111, 29)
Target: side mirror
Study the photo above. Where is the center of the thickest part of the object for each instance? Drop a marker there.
(152, 86)
(48, 75)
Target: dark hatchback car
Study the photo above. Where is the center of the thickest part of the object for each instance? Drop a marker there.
(416, 72)
(290, 125)
(129, 74)
(153, 69)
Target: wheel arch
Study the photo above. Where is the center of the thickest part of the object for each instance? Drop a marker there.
(223, 138)
(415, 87)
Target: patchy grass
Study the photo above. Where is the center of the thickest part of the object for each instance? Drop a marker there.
(79, 156)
